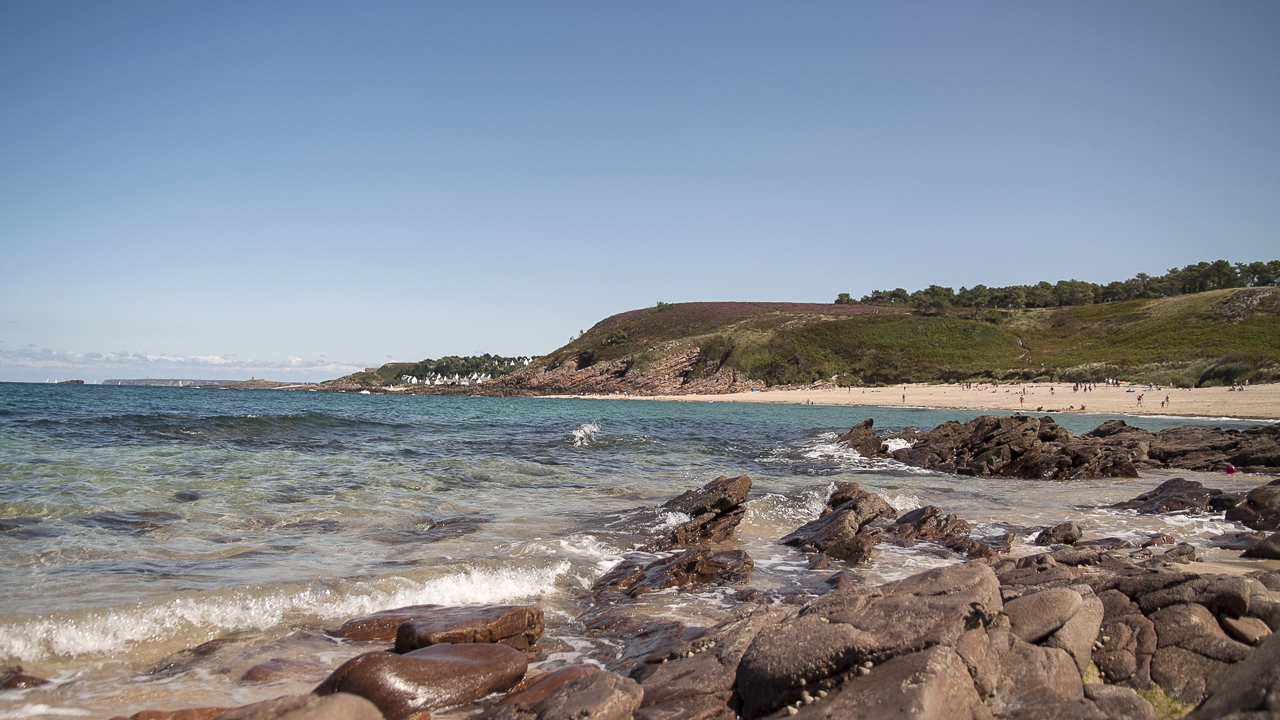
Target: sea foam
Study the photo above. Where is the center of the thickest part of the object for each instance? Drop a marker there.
(210, 616)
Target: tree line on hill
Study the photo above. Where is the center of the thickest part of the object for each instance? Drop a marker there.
(1199, 277)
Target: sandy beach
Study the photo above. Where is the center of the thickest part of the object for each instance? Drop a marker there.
(1254, 402)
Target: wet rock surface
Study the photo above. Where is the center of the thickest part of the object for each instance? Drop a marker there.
(519, 626)
(716, 509)
(696, 566)
(991, 637)
(434, 677)
(1260, 509)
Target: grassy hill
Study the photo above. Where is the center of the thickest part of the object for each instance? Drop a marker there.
(1206, 338)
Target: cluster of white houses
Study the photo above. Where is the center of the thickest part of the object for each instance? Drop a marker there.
(438, 379)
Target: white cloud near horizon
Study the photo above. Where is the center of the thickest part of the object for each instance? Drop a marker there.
(34, 364)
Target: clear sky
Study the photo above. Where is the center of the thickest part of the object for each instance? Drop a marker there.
(298, 189)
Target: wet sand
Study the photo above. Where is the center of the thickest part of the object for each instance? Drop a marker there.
(1254, 402)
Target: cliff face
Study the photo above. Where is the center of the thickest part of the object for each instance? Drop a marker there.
(676, 371)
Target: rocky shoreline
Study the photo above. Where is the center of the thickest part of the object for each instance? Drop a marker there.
(1038, 448)
(1086, 628)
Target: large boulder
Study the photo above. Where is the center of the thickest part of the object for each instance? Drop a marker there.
(1067, 533)
(519, 626)
(933, 683)
(1037, 616)
(1176, 495)
(835, 635)
(433, 677)
(1260, 509)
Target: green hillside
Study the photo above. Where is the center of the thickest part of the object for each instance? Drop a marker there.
(1205, 338)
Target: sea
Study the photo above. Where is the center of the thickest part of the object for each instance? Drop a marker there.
(156, 543)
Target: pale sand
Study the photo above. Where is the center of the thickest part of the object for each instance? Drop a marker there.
(1255, 402)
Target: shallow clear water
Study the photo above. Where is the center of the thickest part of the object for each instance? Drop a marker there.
(137, 521)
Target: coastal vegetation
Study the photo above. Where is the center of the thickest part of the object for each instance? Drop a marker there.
(1211, 323)
(1195, 278)
(1214, 337)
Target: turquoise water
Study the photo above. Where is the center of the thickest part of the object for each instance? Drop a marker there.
(136, 521)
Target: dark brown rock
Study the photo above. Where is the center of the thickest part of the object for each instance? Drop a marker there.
(338, 706)
(696, 679)
(975, 648)
(863, 440)
(1032, 676)
(1253, 686)
(1036, 448)
(1116, 701)
(841, 524)
(1128, 641)
(1268, 549)
(838, 632)
(380, 625)
(1250, 631)
(1188, 676)
(1067, 533)
(1218, 593)
(531, 690)
(841, 493)
(13, 678)
(1176, 495)
(1039, 570)
(928, 523)
(1017, 446)
(1034, 617)
(1260, 509)
(637, 639)
(598, 696)
(280, 668)
(1269, 580)
(519, 626)
(716, 509)
(933, 683)
(1194, 628)
(433, 677)
(856, 550)
(1076, 556)
(1078, 634)
(697, 566)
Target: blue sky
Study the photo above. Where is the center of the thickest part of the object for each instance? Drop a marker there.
(295, 190)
